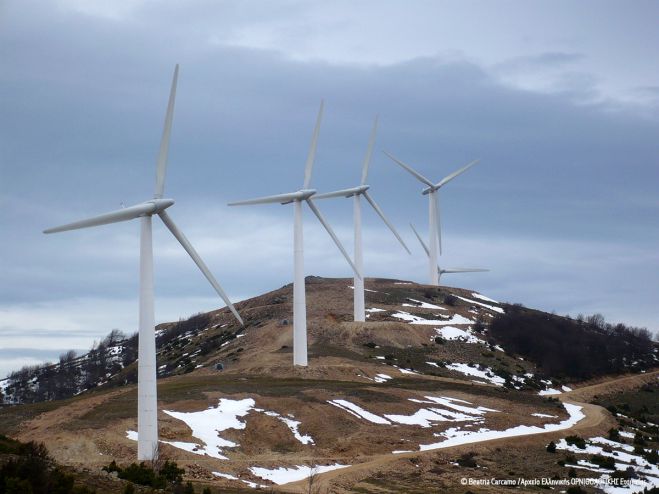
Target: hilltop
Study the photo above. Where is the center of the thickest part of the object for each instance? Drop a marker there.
(392, 403)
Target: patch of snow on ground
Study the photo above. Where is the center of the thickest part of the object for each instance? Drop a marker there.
(406, 371)
(456, 319)
(549, 391)
(434, 364)
(375, 309)
(293, 425)
(283, 475)
(566, 388)
(453, 333)
(646, 473)
(456, 437)
(207, 424)
(423, 305)
(486, 373)
(628, 435)
(380, 378)
(483, 297)
(488, 307)
(544, 416)
(132, 435)
(358, 411)
(365, 289)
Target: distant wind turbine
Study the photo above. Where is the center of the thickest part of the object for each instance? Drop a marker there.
(441, 271)
(356, 193)
(433, 211)
(147, 402)
(297, 198)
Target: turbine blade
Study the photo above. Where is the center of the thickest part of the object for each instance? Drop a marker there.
(169, 223)
(386, 221)
(333, 235)
(450, 177)
(279, 198)
(336, 193)
(124, 214)
(161, 167)
(423, 244)
(412, 171)
(312, 150)
(369, 151)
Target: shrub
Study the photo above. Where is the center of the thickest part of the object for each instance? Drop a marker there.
(551, 447)
(604, 461)
(468, 460)
(614, 434)
(577, 441)
(450, 300)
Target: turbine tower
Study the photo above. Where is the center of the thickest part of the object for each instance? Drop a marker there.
(441, 271)
(433, 211)
(147, 402)
(356, 193)
(297, 198)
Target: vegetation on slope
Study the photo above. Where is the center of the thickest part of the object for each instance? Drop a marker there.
(28, 469)
(577, 348)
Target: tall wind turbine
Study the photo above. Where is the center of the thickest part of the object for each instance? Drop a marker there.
(297, 198)
(433, 211)
(147, 406)
(441, 271)
(356, 193)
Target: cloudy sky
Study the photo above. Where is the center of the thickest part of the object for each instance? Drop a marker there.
(559, 99)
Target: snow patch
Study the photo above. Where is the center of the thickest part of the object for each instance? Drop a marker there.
(456, 437)
(283, 475)
(483, 297)
(470, 370)
(455, 319)
(488, 307)
(358, 411)
(452, 333)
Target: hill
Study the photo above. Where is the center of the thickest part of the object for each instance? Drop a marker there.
(391, 402)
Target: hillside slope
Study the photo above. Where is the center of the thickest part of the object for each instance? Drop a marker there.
(423, 374)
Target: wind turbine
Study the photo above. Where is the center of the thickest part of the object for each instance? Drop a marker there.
(356, 193)
(433, 211)
(297, 198)
(147, 406)
(441, 271)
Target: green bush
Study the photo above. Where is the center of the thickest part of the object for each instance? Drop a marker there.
(142, 474)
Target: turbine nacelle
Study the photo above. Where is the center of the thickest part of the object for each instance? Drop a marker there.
(429, 190)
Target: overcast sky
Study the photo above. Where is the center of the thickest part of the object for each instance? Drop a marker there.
(559, 99)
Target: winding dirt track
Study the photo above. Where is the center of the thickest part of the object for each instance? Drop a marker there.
(597, 420)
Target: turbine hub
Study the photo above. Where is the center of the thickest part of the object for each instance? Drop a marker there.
(160, 204)
(304, 194)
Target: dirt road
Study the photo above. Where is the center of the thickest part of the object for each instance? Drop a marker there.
(597, 420)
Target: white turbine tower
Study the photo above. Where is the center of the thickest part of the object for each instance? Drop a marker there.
(297, 198)
(441, 271)
(433, 211)
(356, 193)
(147, 408)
